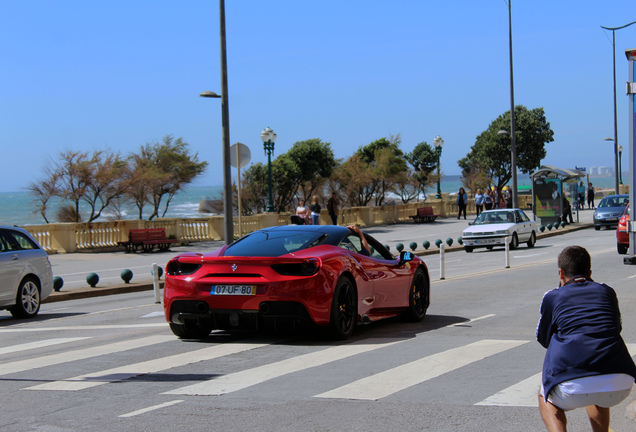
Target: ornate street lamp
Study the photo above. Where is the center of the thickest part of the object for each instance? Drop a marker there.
(438, 142)
(620, 164)
(269, 138)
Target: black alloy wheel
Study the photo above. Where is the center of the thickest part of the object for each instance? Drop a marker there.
(344, 309)
(418, 297)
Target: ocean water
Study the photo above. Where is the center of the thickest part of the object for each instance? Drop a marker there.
(18, 208)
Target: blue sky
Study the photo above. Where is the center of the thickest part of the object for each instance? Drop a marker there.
(89, 75)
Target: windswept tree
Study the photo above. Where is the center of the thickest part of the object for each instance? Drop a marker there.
(173, 168)
(79, 177)
(254, 189)
(491, 151)
(387, 164)
(351, 181)
(423, 159)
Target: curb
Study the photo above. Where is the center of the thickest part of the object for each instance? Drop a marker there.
(97, 292)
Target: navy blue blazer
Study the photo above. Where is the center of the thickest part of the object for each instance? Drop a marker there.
(580, 326)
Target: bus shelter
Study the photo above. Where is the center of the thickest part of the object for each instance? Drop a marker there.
(550, 187)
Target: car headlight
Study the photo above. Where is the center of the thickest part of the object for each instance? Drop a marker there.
(501, 232)
(467, 234)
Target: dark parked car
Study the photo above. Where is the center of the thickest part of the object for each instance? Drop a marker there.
(609, 211)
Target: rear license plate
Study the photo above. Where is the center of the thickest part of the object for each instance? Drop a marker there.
(233, 290)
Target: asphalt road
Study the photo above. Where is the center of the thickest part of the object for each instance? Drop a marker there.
(111, 363)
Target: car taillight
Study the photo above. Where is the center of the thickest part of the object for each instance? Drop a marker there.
(309, 267)
(176, 268)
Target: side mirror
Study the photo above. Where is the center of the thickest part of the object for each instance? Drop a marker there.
(405, 257)
(470, 223)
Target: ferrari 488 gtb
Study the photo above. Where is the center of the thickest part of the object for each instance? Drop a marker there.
(320, 274)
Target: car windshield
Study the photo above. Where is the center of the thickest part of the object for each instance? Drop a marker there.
(494, 217)
(275, 243)
(613, 202)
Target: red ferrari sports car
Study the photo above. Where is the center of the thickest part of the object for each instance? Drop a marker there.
(320, 274)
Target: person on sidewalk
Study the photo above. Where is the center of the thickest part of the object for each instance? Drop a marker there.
(462, 202)
(587, 363)
(479, 202)
(567, 211)
(315, 211)
(332, 208)
(488, 199)
(590, 196)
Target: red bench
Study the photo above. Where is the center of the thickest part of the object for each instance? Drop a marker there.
(147, 239)
(424, 214)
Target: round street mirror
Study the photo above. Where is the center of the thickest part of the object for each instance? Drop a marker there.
(240, 155)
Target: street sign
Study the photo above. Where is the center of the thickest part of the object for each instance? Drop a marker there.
(241, 153)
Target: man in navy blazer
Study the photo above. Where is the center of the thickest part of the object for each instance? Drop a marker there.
(587, 363)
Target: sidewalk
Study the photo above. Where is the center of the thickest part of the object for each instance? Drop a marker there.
(73, 268)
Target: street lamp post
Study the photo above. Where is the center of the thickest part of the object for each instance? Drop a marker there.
(513, 143)
(620, 164)
(269, 138)
(616, 169)
(438, 142)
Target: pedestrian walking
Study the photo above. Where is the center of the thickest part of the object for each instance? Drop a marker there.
(479, 202)
(462, 202)
(332, 208)
(586, 363)
(302, 211)
(581, 193)
(590, 196)
(315, 210)
(488, 201)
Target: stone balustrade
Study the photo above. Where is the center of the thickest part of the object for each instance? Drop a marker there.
(96, 236)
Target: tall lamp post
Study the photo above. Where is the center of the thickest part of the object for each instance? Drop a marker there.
(438, 142)
(616, 169)
(269, 138)
(620, 164)
(513, 143)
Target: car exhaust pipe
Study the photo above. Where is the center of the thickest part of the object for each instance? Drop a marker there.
(264, 308)
(202, 307)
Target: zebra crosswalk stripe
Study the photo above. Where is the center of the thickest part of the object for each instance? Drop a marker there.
(240, 380)
(81, 354)
(124, 372)
(39, 344)
(402, 377)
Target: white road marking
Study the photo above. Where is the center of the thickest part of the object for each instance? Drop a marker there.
(121, 373)
(523, 394)
(153, 314)
(152, 408)
(39, 344)
(81, 354)
(402, 377)
(240, 380)
(471, 321)
(88, 327)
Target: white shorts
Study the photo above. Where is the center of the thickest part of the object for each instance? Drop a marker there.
(567, 401)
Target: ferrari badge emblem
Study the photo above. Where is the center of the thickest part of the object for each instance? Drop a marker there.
(234, 267)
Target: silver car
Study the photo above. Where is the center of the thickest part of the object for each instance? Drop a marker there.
(493, 227)
(609, 211)
(25, 272)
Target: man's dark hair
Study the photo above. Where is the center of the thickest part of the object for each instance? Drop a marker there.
(574, 261)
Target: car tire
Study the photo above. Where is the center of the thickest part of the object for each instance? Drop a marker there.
(418, 297)
(344, 309)
(532, 241)
(597, 227)
(191, 330)
(468, 249)
(622, 248)
(514, 241)
(27, 302)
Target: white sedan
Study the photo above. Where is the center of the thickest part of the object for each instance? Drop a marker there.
(493, 227)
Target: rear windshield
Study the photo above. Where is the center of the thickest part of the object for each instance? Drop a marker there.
(275, 243)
